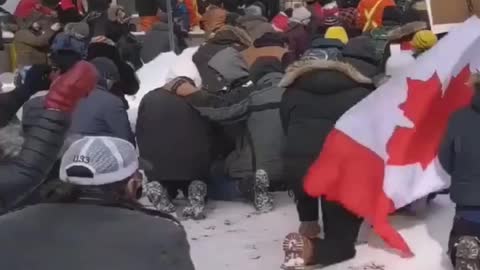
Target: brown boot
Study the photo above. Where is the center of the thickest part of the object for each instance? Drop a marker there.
(299, 252)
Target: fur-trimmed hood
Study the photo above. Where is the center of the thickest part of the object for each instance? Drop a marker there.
(305, 66)
(406, 30)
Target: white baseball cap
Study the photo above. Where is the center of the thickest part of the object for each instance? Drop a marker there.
(98, 161)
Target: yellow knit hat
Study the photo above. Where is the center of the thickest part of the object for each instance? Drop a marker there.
(424, 40)
(337, 32)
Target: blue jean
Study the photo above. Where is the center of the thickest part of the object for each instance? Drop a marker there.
(223, 188)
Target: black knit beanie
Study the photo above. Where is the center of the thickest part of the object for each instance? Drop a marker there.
(264, 65)
(270, 39)
(392, 14)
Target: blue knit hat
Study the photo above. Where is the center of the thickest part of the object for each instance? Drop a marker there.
(66, 42)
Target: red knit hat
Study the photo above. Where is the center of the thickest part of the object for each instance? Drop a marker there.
(280, 22)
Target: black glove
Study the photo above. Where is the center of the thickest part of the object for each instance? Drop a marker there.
(34, 79)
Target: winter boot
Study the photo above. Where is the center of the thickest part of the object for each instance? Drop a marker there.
(197, 192)
(159, 198)
(467, 253)
(263, 199)
(299, 252)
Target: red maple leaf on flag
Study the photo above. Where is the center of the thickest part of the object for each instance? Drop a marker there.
(429, 109)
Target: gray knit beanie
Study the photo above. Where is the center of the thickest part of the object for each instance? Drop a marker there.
(106, 68)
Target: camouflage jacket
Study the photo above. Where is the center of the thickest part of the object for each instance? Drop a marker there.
(380, 39)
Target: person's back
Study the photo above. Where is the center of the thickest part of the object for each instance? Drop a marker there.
(103, 113)
(86, 236)
(263, 123)
(459, 155)
(463, 164)
(173, 137)
(91, 219)
(175, 140)
(89, 118)
(318, 93)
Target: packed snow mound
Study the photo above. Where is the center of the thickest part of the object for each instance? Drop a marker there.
(184, 66)
(157, 72)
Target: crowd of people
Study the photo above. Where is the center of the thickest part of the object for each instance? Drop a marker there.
(273, 84)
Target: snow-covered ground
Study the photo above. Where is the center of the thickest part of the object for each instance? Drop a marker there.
(233, 237)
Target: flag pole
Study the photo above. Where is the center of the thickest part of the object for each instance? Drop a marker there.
(171, 36)
(470, 6)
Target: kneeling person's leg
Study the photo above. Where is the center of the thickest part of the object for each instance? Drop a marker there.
(157, 193)
(464, 245)
(197, 193)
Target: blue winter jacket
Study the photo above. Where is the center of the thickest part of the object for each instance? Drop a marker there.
(102, 114)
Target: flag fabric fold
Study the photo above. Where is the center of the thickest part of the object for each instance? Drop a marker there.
(382, 153)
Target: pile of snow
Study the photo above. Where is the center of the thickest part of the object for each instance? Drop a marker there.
(157, 72)
(10, 5)
(251, 241)
(6, 82)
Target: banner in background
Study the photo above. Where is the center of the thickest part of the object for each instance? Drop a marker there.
(445, 14)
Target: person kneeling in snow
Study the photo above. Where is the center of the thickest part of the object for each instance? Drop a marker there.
(251, 113)
(318, 93)
(459, 155)
(179, 153)
(94, 212)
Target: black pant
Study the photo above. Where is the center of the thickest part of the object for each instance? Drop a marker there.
(307, 207)
(461, 227)
(174, 186)
(341, 231)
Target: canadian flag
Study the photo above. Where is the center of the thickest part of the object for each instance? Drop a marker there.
(382, 153)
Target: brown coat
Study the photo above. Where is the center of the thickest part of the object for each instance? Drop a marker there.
(252, 54)
(31, 48)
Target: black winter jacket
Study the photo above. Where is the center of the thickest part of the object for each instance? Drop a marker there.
(33, 109)
(10, 103)
(92, 234)
(181, 150)
(318, 93)
(38, 155)
(460, 152)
